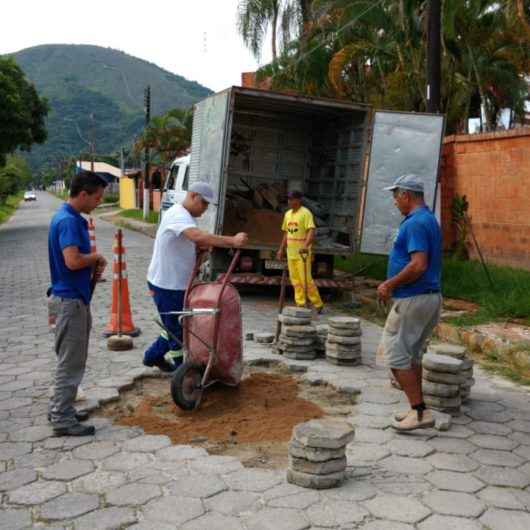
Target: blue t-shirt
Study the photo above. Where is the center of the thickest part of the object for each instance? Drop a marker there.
(418, 232)
(68, 228)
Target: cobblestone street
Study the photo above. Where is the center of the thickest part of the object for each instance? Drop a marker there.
(476, 475)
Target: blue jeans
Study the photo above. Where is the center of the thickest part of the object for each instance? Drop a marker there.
(166, 300)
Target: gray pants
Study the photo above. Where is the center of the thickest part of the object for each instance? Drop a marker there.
(71, 347)
(409, 325)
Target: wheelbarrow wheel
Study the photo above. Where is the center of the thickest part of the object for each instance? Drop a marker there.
(185, 385)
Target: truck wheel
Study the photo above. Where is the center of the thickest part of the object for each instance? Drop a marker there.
(186, 385)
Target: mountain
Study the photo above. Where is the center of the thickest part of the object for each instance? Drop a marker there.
(83, 80)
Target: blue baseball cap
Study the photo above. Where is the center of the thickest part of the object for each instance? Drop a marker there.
(408, 182)
(204, 190)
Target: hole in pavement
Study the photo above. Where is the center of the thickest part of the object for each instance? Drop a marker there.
(253, 422)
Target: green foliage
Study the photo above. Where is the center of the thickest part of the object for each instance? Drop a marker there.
(167, 136)
(15, 175)
(9, 206)
(374, 52)
(138, 214)
(22, 111)
(465, 280)
(81, 80)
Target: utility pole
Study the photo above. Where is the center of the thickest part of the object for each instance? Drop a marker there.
(147, 102)
(433, 56)
(92, 141)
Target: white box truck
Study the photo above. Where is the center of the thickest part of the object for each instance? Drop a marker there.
(253, 145)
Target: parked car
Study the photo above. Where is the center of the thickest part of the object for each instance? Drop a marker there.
(30, 196)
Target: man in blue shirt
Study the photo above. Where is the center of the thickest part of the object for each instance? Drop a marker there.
(73, 270)
(413, 281)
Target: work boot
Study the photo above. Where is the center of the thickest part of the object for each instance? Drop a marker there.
(80, 415)
(414, 420)
(162, 365)
(75, 430)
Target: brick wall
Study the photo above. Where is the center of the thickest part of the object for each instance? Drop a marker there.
(493, 171)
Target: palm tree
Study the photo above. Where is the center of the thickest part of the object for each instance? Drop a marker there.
(254, 19)
(167, 136)
(374, 51)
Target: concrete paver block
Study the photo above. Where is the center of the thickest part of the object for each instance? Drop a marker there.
(147, 443)
(36, 492)
(499, 476)
(15, 519)
(454, 503)
(336, 513)
(126, 461)
(446, 522)
(453, 481)
(495, 519)
(277, 519)
(68, 470)
(69, 505)
(132, 495)
(489, 457)
(178, 453)
(327, 434)
(99, 482)
(106, 519)
(233, 502)
(400, 509)
(173, 510)
(17, 478)
(199, 487)
(254, 480)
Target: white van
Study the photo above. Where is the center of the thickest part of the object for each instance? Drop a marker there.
(176, 184)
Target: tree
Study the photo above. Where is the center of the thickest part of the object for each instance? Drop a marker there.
(375, 52)
(287, 20)
(167, 136)
(22, 111)
(254, 19)
(15, 175)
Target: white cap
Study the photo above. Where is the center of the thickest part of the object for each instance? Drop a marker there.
(409, 182)
(204, 190)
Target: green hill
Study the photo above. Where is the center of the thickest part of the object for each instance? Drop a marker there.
(80, 80)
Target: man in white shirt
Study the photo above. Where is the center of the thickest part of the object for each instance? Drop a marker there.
(172, 263)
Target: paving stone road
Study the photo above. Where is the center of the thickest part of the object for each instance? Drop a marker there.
(476, 475)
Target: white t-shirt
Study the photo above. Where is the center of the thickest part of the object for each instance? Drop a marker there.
(173, 254)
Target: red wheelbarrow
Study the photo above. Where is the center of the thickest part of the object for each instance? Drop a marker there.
(212, 338)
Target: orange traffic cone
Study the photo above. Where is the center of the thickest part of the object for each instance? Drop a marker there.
(92, 237)
(120, 322)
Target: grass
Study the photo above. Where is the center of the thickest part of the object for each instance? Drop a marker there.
(138, 214)
(9, 206)
(513, 362)
(466, 280)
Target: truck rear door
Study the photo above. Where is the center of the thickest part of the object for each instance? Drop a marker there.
(209, 151)
(401, 143)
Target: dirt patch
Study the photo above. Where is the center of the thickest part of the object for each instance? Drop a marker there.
(253, 421)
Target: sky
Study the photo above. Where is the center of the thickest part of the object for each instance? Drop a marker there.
(197, 39)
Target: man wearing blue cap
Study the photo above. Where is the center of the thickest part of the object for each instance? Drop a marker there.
(172, 263)
(413, 282)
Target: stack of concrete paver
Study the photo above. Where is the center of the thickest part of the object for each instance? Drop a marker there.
(322, 337)
(442, 379)
(298, 337)
(466, 371)
(317, 453)
(343, 344)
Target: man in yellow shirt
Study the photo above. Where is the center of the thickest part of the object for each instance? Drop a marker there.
(299, 233)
